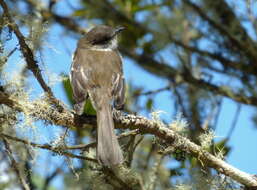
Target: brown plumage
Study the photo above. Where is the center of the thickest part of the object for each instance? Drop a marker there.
(97, 72)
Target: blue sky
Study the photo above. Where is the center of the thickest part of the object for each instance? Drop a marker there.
(57, 59)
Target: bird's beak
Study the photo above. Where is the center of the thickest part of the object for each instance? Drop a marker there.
(119, 29)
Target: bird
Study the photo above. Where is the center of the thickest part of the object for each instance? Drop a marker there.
(97, 73)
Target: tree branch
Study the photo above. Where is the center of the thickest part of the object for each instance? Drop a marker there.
(50, 178)
(246, 45)
(144, 126)
(57, 150)
(85, 147)
(14, 165)
(62, 151)
(151, 92)
(216, 56)
(168, 72)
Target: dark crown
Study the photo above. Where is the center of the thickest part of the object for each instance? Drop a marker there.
(102, 34)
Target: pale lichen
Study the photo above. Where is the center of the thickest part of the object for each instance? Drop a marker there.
(155, 115)
(183, 187)
(206, 139)
(179, 124)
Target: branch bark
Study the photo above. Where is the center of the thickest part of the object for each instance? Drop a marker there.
(57, 150)
(144, 126)
(14, 165)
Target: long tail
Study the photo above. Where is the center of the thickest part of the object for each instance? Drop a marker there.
(108, 150)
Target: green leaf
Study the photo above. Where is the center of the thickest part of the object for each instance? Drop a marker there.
(80, 12)
(221, 146)
(89, 109)
(144, 8)
(67, 88)
(149, 104)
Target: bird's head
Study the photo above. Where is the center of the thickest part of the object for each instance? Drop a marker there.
(101, 37)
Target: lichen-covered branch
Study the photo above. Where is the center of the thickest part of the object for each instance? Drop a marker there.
(170, 136)
(57, 150)
(63, 151)
(145, 126)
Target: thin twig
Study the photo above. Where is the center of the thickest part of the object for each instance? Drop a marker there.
(132, 150)
(14, 165)
(234, 122)
(57, 150)
(240, 66)
(216, 119)
(220, 27)
(50, 178)
(179, 100)
(85, 147)
(151, 92)
(154, 172)
(28, 170)
(9, 55)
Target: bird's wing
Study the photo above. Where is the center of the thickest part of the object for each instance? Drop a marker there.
(78, 82)
(119, 86)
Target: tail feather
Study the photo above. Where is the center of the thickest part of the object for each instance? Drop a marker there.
(108, 150)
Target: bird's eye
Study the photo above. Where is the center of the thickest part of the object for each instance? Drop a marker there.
(101, 41)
